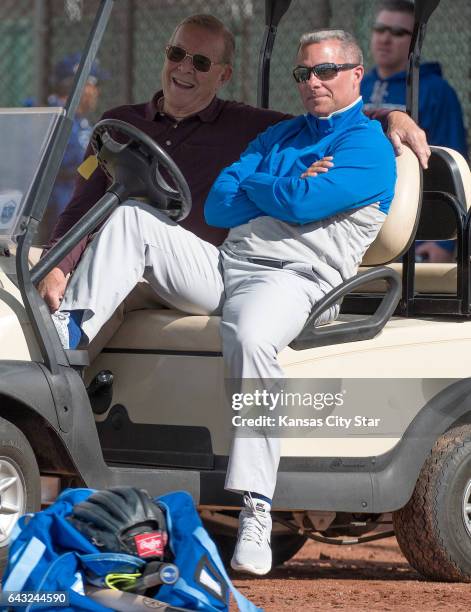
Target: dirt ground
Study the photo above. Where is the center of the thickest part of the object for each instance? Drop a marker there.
(370, 577)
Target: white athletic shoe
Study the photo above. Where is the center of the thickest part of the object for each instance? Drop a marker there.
(61, 323)
(253, 551)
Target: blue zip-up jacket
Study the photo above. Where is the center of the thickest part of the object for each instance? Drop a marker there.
(266, 179)
(440, 113)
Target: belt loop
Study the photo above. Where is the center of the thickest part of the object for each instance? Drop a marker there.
(269, 263)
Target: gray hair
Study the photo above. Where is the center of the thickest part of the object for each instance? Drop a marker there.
(348, 43)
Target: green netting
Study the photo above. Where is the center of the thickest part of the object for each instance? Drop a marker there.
(35, 34)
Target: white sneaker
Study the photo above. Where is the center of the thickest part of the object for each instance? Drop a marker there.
(253, 551)
(61, 323)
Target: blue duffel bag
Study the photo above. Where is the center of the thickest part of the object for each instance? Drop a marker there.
(48, 554)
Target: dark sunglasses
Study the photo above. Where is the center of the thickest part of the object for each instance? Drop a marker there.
(324, 72)
(178, 54)
(381, 28)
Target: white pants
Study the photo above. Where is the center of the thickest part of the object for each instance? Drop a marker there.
(262, 308)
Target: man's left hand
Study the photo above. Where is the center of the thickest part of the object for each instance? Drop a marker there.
(431, 252)
(403, 130)
(319, 167)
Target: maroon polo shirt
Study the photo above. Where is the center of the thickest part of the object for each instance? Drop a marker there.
(201, 145)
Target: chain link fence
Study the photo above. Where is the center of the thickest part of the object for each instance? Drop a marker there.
(35, 34)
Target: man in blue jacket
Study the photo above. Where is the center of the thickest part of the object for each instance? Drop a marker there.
(293, 236)
(384, 87)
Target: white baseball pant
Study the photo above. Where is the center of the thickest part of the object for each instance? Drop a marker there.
(262, 308)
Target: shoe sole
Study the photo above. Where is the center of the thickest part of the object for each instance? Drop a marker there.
(258, 571)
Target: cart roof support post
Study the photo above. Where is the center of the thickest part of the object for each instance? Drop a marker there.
(274, 11)
(423, 10)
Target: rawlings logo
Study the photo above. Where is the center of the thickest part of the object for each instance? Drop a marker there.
(150, 544)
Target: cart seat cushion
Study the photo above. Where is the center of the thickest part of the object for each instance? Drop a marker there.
(167, 330)
(400, 225)
(438, 278)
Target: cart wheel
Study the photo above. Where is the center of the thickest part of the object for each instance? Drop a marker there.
(20, 483)
(434, 528)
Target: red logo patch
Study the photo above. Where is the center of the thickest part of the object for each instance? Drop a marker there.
(150, 544)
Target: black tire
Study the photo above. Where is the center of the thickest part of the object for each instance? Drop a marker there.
(18, 462)
(432, 528)
(284, 546)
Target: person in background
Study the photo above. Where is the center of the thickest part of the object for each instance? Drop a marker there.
(64, 73)
(384, 87)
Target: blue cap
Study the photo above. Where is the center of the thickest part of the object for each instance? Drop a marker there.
(67, 68)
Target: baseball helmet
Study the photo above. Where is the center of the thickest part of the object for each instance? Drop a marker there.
(123, 519)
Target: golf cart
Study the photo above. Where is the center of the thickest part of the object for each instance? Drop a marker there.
(150, 409)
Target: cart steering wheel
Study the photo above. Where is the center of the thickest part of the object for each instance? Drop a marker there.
(134, 163)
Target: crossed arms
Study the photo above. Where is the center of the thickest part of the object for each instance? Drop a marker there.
(363, 173)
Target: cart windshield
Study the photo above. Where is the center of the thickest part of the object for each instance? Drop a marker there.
(24, 135)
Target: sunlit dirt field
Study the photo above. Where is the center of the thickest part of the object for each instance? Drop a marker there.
(371, 577)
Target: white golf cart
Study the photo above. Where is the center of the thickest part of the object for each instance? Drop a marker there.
(150, 409)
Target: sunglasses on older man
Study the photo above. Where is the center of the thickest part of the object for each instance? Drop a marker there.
(178, 54)
(324, 72)
(397, 31)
